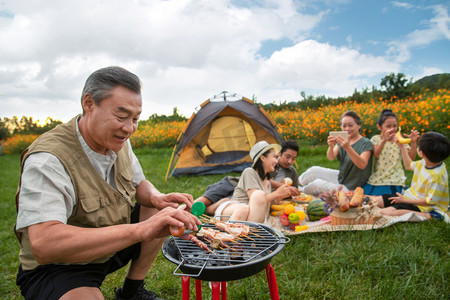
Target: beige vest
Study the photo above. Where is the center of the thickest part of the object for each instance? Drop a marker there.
(97, 203)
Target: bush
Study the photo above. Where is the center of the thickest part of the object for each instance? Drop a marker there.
(18, 143)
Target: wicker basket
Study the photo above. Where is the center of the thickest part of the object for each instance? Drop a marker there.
(355, 216)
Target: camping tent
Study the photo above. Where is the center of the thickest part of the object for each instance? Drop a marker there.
(218, 138)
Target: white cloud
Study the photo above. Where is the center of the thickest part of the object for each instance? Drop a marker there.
(184, 51)
(311, 65)
(438, 29)
(428, 71)
(402, 4)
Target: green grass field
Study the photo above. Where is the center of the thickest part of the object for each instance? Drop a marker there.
(403, 261)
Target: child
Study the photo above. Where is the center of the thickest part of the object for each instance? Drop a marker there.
(388, 176)
(428, 195)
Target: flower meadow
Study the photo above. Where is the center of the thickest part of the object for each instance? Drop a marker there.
(425, 112)
(18, 143)
(422, 112)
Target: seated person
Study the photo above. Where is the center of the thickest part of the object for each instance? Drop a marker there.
(253, 194)
(355, 160)
(428, 195)
(222, 190)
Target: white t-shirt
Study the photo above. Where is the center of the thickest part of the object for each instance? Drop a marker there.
(47, 192)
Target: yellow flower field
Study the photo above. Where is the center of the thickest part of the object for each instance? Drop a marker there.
(18, 143)
(428, 112)
(422, 113)
(419, 113)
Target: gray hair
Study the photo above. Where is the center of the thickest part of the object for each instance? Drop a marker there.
(100, 83)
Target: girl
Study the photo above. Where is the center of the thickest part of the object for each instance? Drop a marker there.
(253, 194)
(354, 155)
(388, 176)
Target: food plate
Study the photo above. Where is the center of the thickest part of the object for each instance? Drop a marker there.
(302, 198)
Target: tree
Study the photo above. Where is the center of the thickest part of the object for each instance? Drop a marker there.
(395, 85)
(4, 131)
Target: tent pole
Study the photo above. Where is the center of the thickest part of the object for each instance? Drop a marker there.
(170, 163)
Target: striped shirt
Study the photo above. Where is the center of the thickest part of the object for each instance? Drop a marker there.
(430, 184)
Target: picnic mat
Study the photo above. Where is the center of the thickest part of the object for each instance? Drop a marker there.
(325, 226)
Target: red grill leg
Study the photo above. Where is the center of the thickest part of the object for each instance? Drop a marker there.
(198, 289)
(185, 287)
(272, 280)
(215, 287)
(223, 289)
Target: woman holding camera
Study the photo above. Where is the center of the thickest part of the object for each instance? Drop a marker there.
(354, 155)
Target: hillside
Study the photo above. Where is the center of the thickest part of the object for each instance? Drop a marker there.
(434, 82)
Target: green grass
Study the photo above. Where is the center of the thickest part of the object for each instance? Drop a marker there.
(403, 261)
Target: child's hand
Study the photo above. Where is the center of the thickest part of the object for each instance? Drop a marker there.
(414, 136)
(398, 143)
(388, 135)
(399, 199)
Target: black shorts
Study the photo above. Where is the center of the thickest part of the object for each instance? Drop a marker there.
(388, 203)
(223, 188)
(52, 281)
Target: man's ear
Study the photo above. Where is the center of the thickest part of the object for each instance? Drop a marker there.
(88, 103)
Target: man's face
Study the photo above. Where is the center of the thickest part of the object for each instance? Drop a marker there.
(287, 158)
(111, 123)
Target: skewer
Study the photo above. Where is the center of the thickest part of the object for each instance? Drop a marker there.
(221, 244)
(256, 235)
(213, 221)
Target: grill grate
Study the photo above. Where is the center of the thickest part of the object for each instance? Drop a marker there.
(243, 250)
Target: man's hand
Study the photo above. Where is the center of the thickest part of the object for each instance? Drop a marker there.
(158, 225)
(294, 191)
(172, 200)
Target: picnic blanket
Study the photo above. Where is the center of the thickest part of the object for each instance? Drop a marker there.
(325, 226)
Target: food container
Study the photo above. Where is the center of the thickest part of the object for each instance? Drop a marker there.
(366, 214)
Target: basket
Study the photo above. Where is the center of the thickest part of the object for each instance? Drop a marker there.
(355, 216)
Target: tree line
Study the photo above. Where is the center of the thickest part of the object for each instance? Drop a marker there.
(24, 125)
(392, 86)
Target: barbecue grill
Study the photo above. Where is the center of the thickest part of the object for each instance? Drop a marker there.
(247, 256)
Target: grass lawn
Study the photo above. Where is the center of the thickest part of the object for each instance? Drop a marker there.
(403, 261)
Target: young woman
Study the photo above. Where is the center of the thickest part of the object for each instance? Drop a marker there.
(253, 194)
(354, 155)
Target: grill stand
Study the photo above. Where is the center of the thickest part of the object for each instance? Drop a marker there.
(217, 287)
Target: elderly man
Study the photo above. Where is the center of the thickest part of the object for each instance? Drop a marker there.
(77, 219)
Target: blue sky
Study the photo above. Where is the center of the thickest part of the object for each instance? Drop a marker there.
(186, 51)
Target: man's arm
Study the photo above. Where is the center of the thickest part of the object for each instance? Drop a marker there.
(53, 241)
